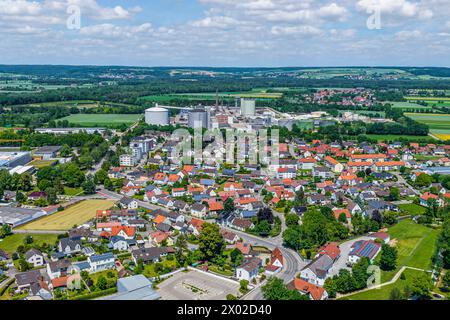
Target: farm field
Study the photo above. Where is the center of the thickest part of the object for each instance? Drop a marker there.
(94, 120)
(66, 219)
(411, 241)
(227, 96)
(439, 123)
(432, 101)
(391, 137)
(384, 292)
(10, 243)
(407, 105)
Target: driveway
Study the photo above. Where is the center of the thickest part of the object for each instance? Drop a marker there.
(345, 247)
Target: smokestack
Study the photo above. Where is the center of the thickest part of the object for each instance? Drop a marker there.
(217, 99)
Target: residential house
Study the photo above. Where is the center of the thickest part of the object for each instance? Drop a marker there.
(313, 291)
(198, 210)
(333, 164)
(128, 203)
(59, 268)
(363, 249)
(35, 257)
(249, 269)
(101, 262)
(69, 246)
(150, 255)
(118, 243)
(317, 271)
(242, 224)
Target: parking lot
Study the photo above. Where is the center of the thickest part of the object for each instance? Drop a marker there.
(196, 285)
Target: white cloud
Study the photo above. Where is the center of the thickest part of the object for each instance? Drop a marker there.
(215, 22)
(400, 8)
(295, 30)
(112, 31)
(408, 35)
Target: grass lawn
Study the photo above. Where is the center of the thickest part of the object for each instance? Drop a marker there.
(95, 276)
(407, 234)
(149, 269)
(412, 209)
(10, 243)
(41, 163)
(73, 191)
(66, 219)
(423, 254)
(383, 292)
(102, 119)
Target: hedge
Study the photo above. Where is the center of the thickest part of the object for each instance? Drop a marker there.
(96, 294)
(6, 286)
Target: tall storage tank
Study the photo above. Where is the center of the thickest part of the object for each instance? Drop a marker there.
(157, 116)
(248, 107)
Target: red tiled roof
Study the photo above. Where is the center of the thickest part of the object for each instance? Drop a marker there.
(306, 287)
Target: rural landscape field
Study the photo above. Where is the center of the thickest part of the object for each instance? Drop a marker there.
(74, 215)
(102, 120)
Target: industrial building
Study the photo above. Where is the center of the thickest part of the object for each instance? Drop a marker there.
(198, 118)
(63, 131)
(18, 216)
(248, 107)
(47, 152)
(157, 116)
(9, 160)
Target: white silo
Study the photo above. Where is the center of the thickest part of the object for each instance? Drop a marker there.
(248, 107)
(157, 116)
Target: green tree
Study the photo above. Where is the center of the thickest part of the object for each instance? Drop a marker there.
(394, 194)
(236, 257)
(421, 286)
(89, 185)
(395, 294)
(291, 220)
(211, 242)
(423, 180)
(388, 261)
(102, 283)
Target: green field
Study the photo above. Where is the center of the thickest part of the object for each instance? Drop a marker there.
(411, 241)
(41, 163)
(259, 94)
(391, 137)
(102, 120)
(384, 292)
(439, 123)
(10, 243)
(412, 209)
(407, 105)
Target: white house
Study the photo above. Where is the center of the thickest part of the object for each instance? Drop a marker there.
(317, 271)
(128, 203)
(35, 257)
(69, 246)
(102, 262)
(118, 243)
(249, 269)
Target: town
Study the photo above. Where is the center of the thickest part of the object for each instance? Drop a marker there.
(117, 213)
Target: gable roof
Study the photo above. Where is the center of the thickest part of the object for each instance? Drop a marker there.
(306, 287)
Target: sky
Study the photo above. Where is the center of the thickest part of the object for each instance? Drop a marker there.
(220, 33)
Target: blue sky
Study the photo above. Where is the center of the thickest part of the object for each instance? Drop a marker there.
(227, 32)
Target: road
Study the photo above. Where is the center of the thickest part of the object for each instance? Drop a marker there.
(293, 263)
(404, 182)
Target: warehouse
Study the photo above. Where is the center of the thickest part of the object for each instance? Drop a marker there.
(10, 160)
(47, 152)
(18, 216)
